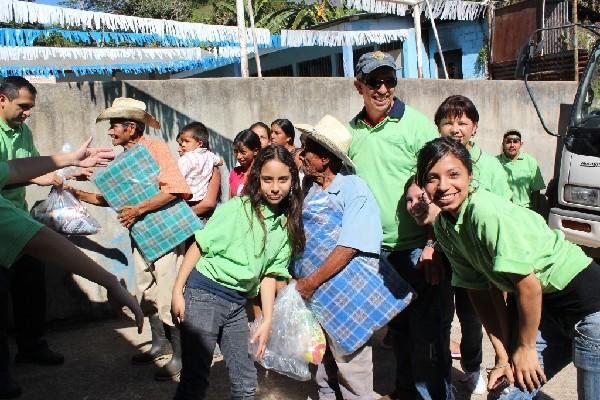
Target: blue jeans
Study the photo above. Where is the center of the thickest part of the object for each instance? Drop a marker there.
(210, 319)
(558, 343)
(421, 333)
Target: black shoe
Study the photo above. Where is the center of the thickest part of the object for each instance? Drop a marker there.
(9, 389)
(44, 356)
(172, 369)
(160, 345)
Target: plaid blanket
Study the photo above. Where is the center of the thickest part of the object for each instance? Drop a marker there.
(132, 178)
(361, 298)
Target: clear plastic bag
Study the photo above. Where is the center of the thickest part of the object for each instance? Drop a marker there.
(62, 212)
(296, 337)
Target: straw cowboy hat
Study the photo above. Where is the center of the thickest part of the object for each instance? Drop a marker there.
(331, 134)
(131, 109)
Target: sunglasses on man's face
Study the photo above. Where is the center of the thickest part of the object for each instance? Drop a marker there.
(511, 140)
(375, 83)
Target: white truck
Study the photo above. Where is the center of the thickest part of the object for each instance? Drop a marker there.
(576, 209)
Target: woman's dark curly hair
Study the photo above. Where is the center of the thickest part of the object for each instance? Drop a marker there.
(291, 205)
(437, 149)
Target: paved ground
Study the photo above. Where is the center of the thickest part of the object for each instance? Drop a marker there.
(97, 368)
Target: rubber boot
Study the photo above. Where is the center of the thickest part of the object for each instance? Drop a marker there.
(160, 345)
(172, 369)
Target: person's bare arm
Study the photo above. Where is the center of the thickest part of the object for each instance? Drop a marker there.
(268, 287)
(209, 202)
(55, 250)
(528, 372)
(129, 214)
(192, 255)
(491, 309)
(88, 197)
(334, 263)
(24, 170)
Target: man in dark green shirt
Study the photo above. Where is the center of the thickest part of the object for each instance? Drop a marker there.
(26, 277)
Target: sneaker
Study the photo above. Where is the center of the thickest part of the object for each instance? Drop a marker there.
(475, 382)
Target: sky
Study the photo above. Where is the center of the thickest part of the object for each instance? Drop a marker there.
(51, 2)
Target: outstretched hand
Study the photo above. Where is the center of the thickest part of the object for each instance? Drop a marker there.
(119, 297)
(86, 156)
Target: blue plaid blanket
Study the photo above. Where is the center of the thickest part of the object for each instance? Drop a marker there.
(361, 298)
(132, 178)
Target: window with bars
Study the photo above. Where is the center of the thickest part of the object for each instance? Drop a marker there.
(317, 67)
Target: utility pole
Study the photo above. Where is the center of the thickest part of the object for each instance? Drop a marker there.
(418, 41)
(243, 38)
(437, 40)
(256, 54)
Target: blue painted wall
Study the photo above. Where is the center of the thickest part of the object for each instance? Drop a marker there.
(469, 36)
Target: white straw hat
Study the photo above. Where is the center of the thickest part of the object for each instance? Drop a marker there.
(127, 108)
(332, 134)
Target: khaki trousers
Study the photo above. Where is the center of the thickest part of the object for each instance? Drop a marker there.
(351, 375)
(154, 282)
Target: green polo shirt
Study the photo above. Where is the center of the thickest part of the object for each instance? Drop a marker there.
(488, 173)
(232, 246)
(493, 236)
(16, 143)
(524, 177)
(17, 227)
(386, 157)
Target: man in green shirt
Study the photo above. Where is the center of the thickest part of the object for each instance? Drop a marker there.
(524, 175)
(26, 276)
(386, 138)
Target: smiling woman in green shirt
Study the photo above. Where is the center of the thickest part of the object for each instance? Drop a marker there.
(493, 243)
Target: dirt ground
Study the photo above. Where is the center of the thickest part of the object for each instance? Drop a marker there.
(97, 367)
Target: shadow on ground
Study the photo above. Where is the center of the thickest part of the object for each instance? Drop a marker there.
(97, 367)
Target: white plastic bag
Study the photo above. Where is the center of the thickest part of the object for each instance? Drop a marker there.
(296, 337)
(62, 212)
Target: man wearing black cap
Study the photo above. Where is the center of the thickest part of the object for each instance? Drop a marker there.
(386, 137)
(524, 175)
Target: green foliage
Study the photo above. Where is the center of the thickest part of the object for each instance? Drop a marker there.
(482, 58)
(177, 10)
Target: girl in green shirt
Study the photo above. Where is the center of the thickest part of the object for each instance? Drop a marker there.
(244, 247)
(494, 244)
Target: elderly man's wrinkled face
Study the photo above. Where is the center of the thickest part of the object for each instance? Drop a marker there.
(377, 89)
(312, 163)
(121, 132)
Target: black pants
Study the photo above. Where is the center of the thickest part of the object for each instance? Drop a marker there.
(25, 280)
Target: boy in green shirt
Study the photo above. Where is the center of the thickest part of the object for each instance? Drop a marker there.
(493, 246)
(524, 176)
(20, 234)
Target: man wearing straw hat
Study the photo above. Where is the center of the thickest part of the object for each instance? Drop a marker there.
(343, 240)
(128, 120)
(386, 138)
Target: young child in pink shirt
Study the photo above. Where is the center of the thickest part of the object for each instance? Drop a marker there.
(196, 161)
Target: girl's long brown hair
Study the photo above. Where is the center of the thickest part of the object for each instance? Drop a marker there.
(290, 206)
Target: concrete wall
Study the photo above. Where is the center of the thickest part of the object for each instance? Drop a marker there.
(65, 112)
